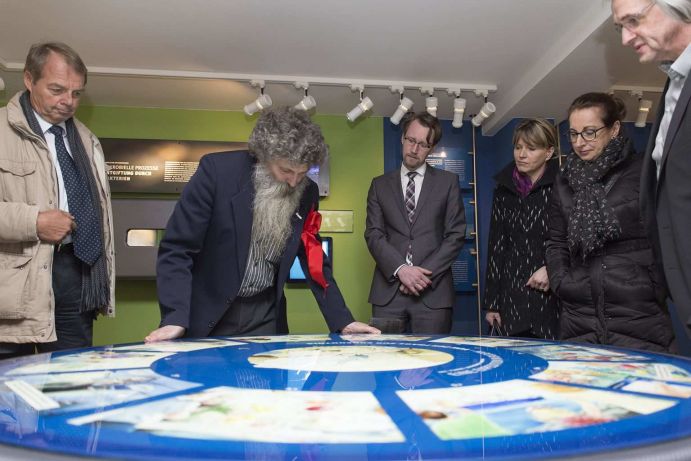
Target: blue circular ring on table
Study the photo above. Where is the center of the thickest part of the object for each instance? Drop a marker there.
(440, 397)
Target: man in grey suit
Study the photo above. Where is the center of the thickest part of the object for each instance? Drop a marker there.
(660, 31)
(415, 230)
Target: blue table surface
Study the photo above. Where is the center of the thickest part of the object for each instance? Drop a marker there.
(313, 397)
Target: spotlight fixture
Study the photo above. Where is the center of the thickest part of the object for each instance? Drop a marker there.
(308, 102)
(261, 103)
(431, 102)
(363, 106)
(644, 106)
(405, 105)
(487, 110)
(458, 111)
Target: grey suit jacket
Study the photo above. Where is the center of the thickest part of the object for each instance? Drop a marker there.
(437, 234)
(666, 202)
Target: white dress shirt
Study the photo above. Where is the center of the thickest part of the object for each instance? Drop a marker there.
(419, 177)
(50, 140)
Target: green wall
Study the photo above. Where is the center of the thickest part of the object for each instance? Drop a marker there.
(356, 157)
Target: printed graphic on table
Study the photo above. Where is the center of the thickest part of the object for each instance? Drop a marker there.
(345, 397)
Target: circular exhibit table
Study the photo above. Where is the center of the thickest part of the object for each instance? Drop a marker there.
(312, 397)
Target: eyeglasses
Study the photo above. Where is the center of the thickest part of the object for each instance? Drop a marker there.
(589, 134)
(412, 142)
(633, 21)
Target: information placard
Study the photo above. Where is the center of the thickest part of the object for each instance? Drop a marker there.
(156, 166)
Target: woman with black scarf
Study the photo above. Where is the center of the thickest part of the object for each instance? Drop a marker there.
(599, 259)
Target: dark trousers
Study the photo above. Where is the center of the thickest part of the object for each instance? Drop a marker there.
(254, 315)
(414, 316)
(74, 329)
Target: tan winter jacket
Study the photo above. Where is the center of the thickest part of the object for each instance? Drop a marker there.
(28, 184)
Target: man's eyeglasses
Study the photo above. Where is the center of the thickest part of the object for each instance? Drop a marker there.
(412, 142)
(589, 134)
(633, 21)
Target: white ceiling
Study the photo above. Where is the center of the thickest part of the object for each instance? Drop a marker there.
(200, 54)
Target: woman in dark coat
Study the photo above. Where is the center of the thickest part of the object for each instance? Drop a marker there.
(517, 292)
(599, 259)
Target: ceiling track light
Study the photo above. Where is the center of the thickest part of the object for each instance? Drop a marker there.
(363, 106)
(644, 106)
(261, 103)
(458, 111)
(459, 105)
(308, 102)
(403, 107)
(485, 112)
(431, 101)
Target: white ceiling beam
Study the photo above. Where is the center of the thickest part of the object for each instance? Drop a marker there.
(582, 27)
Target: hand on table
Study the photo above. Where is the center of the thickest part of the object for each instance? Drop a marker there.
(359, 327)
(165, 333)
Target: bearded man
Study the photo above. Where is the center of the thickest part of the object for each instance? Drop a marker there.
(235, 232)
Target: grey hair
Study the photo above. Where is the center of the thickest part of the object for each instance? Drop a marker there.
(38, 55)
(289, 134)
(677, 9)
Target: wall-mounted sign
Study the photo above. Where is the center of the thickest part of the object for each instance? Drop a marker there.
(336, 220)
(455, 160)
(464, 271)
(156, 166)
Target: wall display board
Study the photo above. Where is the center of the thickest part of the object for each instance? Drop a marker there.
(469, 207)
(159, 166)
(455, 160)
(465, 271)
(156, 166)
(316, 397)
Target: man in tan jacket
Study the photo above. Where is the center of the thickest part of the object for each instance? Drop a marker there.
(56, 248)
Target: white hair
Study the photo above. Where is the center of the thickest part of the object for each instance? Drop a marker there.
(677, 9)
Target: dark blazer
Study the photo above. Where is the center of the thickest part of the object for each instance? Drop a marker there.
(202, 257)
(437, 234)
(666, 202)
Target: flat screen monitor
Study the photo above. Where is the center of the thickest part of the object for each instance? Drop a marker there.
(297, 275)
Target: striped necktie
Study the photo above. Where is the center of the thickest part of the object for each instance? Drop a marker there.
(410, 196)
(410, 209)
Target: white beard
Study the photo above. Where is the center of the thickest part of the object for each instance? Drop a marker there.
(274, 205)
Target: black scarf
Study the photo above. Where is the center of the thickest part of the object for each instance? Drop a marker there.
(95, 280)
(592, 221)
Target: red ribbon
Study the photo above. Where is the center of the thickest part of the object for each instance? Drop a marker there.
(313, 247)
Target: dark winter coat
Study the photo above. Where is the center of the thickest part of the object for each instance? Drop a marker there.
(613, 297)
(516, 249)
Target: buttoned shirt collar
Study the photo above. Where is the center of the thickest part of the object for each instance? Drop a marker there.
(681, 67)
(45, 126)
(420, 170)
